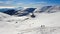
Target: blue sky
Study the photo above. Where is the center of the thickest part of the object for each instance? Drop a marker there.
(28, 3)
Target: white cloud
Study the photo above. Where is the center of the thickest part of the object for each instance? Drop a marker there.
(8, 2)
(29, 4)
(7, 6)
(42, 2)
(1, 2)
(19, 3)
(37, 4)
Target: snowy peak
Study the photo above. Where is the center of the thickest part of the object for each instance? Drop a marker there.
(23, 11)
(55, 9)
(48, 9)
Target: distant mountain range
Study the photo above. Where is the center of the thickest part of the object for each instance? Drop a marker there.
(20, 11)
(44, 18)
(25, 11)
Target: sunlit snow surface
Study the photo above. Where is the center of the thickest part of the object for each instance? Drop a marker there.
(28, 25)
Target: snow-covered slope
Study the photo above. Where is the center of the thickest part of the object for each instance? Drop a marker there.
(8, 24)
(7, 18)
(3, 16)
(54, 9)
(28, 25)
(48, 9)
(25, 11)
(49, 20)
(31, 25)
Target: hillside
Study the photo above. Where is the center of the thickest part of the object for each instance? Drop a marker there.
(47, 22)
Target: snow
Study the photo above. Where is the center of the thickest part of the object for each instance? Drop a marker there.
(28, 25)
(49, 20)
